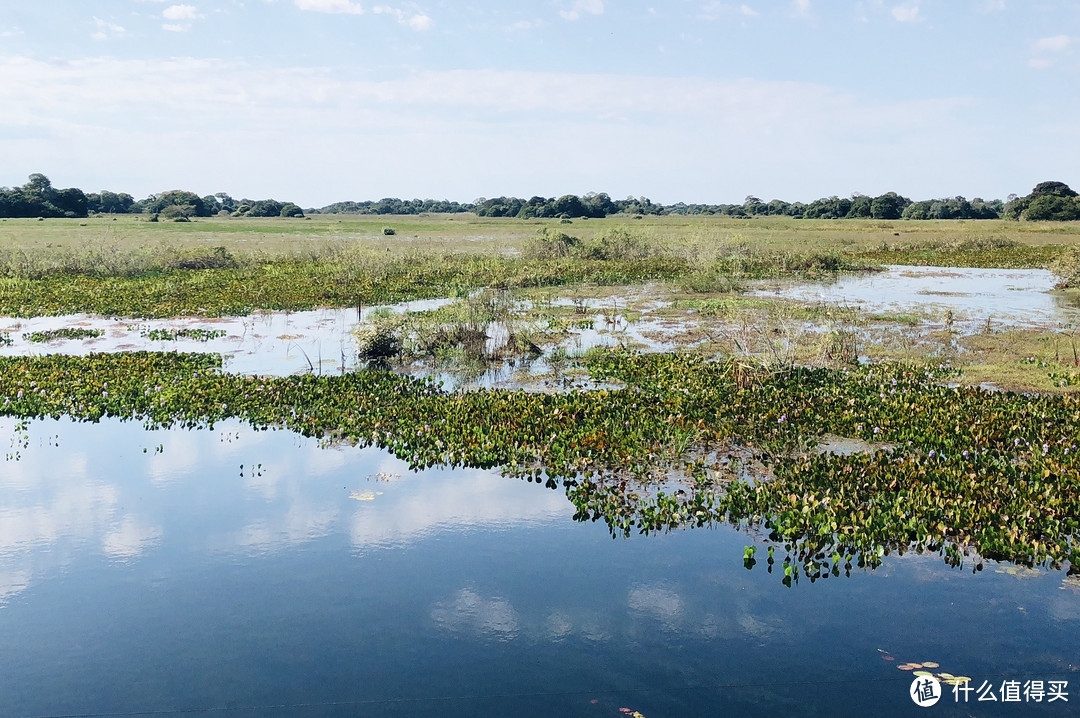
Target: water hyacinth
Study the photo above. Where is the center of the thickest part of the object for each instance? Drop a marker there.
(196, 333)
(65, 333)
(678, 416)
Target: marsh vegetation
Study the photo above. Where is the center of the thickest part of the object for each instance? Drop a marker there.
(734, 378)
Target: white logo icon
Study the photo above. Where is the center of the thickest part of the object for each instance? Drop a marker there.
(925, 691)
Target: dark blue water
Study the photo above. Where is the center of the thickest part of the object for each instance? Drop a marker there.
(334, 582)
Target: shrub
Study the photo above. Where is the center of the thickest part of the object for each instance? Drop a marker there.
(620, 243)
(551, 244)
(377, 342)
(218, 258)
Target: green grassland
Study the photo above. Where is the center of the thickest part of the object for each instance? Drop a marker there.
(125, 265)
(907, 241)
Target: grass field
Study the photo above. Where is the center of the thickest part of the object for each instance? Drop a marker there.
(468, 233)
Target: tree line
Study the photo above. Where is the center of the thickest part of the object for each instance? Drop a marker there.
(38, 198)
(1048, 201)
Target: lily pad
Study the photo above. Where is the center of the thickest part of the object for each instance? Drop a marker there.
(956, 680)
(1019, 571)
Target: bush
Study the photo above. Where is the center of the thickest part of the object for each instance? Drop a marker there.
(620, 243)
(551, 244)
(218, 258)
(1067, 268)
(712, 281)
(388, 231)
(378, 342)
(177, 213)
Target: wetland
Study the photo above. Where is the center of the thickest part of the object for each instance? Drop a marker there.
(671, 466)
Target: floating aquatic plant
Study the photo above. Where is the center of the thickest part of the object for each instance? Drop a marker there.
(49, 335)
(969, 475)
(196, 333)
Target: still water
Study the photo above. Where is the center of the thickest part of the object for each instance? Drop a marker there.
(272, 343)
(236, 572)
(1009, 297)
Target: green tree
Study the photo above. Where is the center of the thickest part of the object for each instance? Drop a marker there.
(569, 205)
(1053, 208)
(1048, 201)
(191, 203)
(888, 206)
(860, 206)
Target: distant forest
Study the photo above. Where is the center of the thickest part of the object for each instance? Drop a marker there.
(38, 198)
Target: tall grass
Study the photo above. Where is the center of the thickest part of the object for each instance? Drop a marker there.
(234, 266)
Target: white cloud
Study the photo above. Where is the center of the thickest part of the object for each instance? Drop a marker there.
(13, 582)
(800, 7)
(211, 116)
(420, 22)
(300, 524)
(105, 29)
(180, 17)
(989, 6)
(346, 7)
(1057, 43)
(527, 25)
(130, 538)
(468, 611)
(658, 601)
(715, 10)
(1046, 48)
(583, 7)
(907, 12)
(180, 12)
(471, 498)
(417, 21)
(16, 30)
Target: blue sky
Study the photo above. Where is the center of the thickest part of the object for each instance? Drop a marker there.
(316, 101)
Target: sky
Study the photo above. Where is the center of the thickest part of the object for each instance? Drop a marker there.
(318, 101)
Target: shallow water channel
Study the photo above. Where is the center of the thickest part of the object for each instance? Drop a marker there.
(269, 343)
(238, 572)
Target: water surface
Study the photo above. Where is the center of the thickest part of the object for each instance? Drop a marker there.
(258, 573)
(1016, 297)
